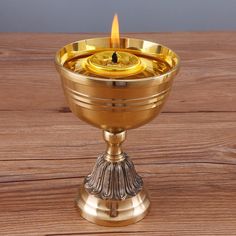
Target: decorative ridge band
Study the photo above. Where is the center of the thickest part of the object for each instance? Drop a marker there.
(114, 100)
(94, 103)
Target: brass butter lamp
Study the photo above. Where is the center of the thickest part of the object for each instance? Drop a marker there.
(115, 84)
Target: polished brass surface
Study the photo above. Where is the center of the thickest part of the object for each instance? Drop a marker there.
(113, 212)
(102, 64)
(116, 105)
(122, 64)
(113, 194)
(114, 151)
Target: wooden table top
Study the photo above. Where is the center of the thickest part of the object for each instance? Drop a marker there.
(186, 156)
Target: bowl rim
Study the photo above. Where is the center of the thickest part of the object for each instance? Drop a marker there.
(78, 76)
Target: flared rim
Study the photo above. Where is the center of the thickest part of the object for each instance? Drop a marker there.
(175, 69)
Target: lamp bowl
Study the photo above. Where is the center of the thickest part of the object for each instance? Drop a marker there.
(116, 105)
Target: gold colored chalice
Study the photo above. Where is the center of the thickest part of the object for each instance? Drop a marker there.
(115, 90)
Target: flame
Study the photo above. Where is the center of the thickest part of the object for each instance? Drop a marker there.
(115, 34)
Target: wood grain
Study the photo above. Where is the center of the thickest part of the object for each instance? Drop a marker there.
(187, 156)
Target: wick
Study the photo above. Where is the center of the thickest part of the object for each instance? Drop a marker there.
(114, 57)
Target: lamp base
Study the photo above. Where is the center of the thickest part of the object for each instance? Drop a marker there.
(113, 194)
(112, 212)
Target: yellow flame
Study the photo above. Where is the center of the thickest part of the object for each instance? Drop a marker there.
(115, 34)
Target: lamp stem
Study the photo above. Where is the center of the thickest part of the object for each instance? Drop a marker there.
(114, 152)
(114, 176)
